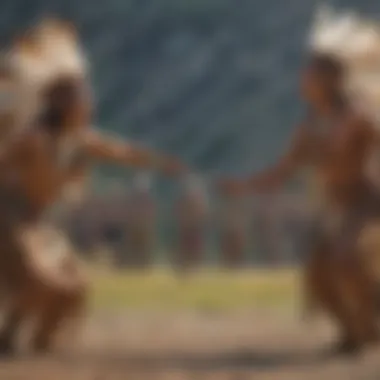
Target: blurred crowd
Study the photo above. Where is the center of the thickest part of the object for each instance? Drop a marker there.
(122, 226)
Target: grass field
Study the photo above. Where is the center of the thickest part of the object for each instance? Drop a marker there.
(180, 339)
(206, 290)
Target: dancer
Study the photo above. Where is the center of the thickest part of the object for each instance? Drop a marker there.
(336, 141)
(39, 158)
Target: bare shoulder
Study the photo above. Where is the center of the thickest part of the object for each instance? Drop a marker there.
(90, 136)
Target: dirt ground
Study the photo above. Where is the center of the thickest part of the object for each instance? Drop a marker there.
(195, 346)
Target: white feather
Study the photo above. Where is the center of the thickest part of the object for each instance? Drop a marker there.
(65, 56)
(56, 53)
(356, 41)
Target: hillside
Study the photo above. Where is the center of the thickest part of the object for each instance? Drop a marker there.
(212, 80)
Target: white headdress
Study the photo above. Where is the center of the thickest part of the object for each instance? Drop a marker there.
(44, 54)
(356, 41)
(48, 51)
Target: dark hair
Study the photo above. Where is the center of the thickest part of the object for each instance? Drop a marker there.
(58, 98)
(328, 66)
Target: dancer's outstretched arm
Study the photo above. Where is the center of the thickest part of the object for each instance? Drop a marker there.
(272, 178)
(130, 154)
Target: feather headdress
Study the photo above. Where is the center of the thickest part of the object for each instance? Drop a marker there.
(356, 42)
(43, 54)
(48, 51)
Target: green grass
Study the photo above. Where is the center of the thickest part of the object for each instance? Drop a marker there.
(208, 291)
